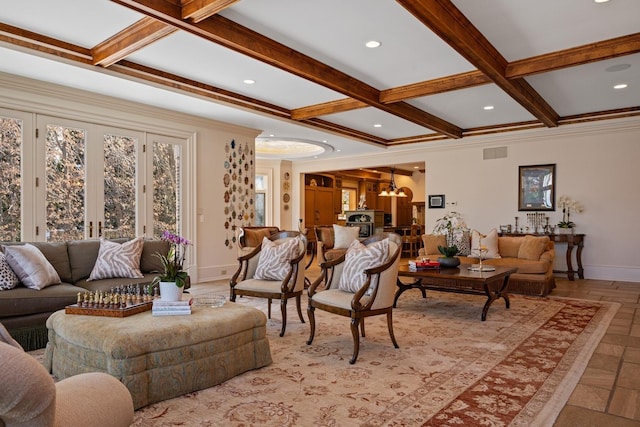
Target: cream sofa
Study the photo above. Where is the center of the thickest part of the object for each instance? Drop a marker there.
(533, 256)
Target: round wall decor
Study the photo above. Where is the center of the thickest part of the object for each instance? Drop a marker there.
(286, 198)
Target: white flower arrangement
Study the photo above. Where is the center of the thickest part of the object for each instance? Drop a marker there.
(452, 226)
(568, 205)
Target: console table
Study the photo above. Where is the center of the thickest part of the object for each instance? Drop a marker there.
(571, 240)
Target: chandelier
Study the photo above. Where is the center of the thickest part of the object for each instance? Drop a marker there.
(392, 190)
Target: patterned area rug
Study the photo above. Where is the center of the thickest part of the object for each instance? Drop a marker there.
(516, 368)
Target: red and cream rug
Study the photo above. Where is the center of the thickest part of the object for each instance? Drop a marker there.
(517, 368)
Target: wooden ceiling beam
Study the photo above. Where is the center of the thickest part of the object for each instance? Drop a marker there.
(197, 10)
(435, 86)
(444, 19)
(40, 43)
(253, 44)
(326, 108)
(138, 35)
(592, 52)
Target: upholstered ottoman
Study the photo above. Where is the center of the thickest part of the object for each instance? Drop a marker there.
(160, 357)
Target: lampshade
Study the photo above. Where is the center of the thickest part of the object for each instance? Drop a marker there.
(392, 190)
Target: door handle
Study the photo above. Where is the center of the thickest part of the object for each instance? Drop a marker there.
(99, 228)
(90, 229)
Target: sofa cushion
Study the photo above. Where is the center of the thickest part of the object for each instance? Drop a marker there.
(344, 236)
(524, 266)
(432, 241)
(532, 247)
(273, 261)
(360, 258)
(82, 257)
(23, 301)
(149, 262)
(118, 260)
(509, 246)
(8, 279)
(31, 266)
(490, 240)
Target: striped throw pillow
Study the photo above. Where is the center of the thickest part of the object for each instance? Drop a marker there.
(118, 260)
(359, 258)
(273, 261)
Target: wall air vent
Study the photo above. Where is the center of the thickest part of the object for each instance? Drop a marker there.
(494, 153)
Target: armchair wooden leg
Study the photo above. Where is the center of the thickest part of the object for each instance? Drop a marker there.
(283, 310)
(356, 339)
(299, 306)
(362, 327)
(268, 308)
(390, 325)
(312, 323)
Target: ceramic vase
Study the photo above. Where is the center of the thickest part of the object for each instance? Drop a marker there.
(170, 292)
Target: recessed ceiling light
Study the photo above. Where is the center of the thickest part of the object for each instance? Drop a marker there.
(620, 86)
(416, 167)
(372, 44)
(248, 81)
(600, 1)
(488, 107)
(377, 125)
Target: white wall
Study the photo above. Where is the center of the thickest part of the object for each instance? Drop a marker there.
(596, 163)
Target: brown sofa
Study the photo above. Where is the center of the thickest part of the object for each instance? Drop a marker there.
(535, 273)
(24, 311)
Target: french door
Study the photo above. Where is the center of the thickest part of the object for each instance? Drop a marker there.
(64, 179)
(90, 186)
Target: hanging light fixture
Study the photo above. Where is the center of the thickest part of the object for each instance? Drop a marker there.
(392, 190)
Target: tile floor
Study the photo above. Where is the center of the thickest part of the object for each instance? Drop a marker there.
(608, 393)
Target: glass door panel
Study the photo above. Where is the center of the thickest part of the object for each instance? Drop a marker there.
(167, 177)
(11, 131)
(65, 182)
(119, 187)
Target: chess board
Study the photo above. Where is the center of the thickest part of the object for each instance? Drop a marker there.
(89, 310)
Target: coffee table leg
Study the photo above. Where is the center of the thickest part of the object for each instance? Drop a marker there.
(492, 296)
(417, 284)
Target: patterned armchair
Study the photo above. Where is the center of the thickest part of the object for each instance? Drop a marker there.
(359, 284)
(273, 270)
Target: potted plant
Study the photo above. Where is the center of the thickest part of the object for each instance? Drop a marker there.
(568, 205)
(173, 277)
(453, 227)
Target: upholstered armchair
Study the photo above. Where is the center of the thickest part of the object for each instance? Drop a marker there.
(30, 398)
(359, 284)
(273, 270)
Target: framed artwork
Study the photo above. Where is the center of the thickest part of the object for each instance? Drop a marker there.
(436, 201)
(537, 188)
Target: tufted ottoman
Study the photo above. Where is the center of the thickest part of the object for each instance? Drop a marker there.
(160, 357)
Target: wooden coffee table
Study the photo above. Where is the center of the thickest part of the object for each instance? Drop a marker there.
(493, 284)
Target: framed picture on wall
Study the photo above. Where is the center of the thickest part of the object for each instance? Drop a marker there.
(436, 201)
(537, 188)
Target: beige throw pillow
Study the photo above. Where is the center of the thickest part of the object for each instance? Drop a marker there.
(359, 258)
(490, 241)
(118, 260)
(432, 241)
(274, 258)
(31, 266)
(532, 247)
(344, 236)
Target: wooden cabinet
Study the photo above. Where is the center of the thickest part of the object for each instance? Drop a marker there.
(404, 208)
(319, 199)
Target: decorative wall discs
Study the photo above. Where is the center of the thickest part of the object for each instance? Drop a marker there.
(287, 176)
(286, 198)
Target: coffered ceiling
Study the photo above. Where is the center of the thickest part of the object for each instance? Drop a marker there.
(440, 65)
